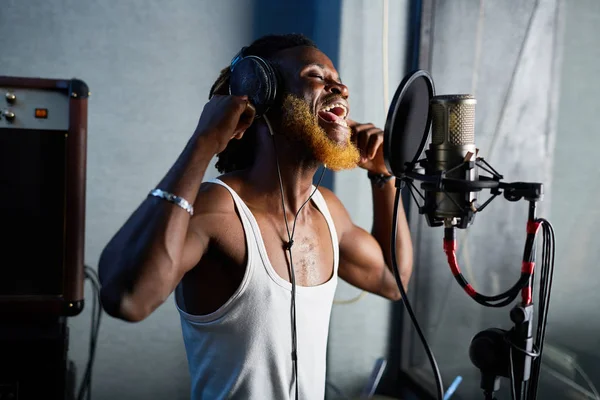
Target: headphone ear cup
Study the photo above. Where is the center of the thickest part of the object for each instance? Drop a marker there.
(254, 77)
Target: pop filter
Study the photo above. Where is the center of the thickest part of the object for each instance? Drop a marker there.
(408, 121)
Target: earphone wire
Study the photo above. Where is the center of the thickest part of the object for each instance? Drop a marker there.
(289, 249)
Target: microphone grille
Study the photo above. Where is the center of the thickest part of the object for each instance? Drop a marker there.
(453, 119)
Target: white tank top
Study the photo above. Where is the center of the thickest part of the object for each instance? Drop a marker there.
(243, 350)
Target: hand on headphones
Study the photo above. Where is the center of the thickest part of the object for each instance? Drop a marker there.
(369, 141)
(225, 117)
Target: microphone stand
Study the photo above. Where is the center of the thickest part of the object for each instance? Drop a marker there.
(496, 352)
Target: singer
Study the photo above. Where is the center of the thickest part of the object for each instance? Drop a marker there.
(254, 256)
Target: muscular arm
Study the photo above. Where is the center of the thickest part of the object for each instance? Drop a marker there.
(365, 258)
(143, 262)
(148, 256)
(383, 208)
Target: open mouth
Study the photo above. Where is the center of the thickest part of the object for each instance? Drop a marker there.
(334, 113)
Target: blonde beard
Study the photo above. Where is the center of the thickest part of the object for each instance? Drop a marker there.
(301, 125)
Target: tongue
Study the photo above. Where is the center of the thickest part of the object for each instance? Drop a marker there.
(328, 116)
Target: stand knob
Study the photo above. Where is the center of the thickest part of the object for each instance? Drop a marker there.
(517, 315)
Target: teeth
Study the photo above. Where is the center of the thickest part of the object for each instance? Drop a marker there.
(343, 107)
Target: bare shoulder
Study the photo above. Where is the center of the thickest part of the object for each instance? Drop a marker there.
(338, 212)
(213, 198)
(332, 200)
(214, 210)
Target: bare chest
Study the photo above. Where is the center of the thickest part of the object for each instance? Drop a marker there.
(218, 275)
(312, 250)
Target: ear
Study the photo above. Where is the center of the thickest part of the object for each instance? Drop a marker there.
(239, 135)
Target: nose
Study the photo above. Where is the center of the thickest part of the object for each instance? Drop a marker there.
(338, 88)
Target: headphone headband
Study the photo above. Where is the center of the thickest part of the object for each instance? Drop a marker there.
(237, 57)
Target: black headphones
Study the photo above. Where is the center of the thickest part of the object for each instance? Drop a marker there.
(254, 77)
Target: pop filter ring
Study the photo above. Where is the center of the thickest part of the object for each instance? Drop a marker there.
(408, 121)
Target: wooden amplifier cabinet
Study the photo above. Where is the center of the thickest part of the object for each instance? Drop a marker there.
(43, 139)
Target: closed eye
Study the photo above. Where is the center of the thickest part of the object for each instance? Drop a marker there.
(317, 76)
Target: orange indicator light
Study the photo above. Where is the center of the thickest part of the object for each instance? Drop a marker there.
(41, 113)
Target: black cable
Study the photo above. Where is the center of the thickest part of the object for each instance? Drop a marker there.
(436, 371)
(496, 301)
(549, 273)
(291, 269)
(307, 200)
(529, 391)
(541, 307)
(292, 280)
(96, 328)
(503, 303)
(85, 388)
(546, 277)
(96, 314)
(514, 291)
(291, 266)
(513, 391)
(86, 383)
(533, 354)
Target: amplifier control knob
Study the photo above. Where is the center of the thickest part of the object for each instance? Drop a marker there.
(9, 115)
(11, 98)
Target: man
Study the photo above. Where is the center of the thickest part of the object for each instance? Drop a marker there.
(255, 267)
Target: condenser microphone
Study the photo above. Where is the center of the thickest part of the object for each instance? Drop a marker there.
(451, 156)
(448, 175)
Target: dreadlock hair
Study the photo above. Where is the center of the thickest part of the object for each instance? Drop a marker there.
(240, 154)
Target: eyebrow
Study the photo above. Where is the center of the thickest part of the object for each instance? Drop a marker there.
(339, 80)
